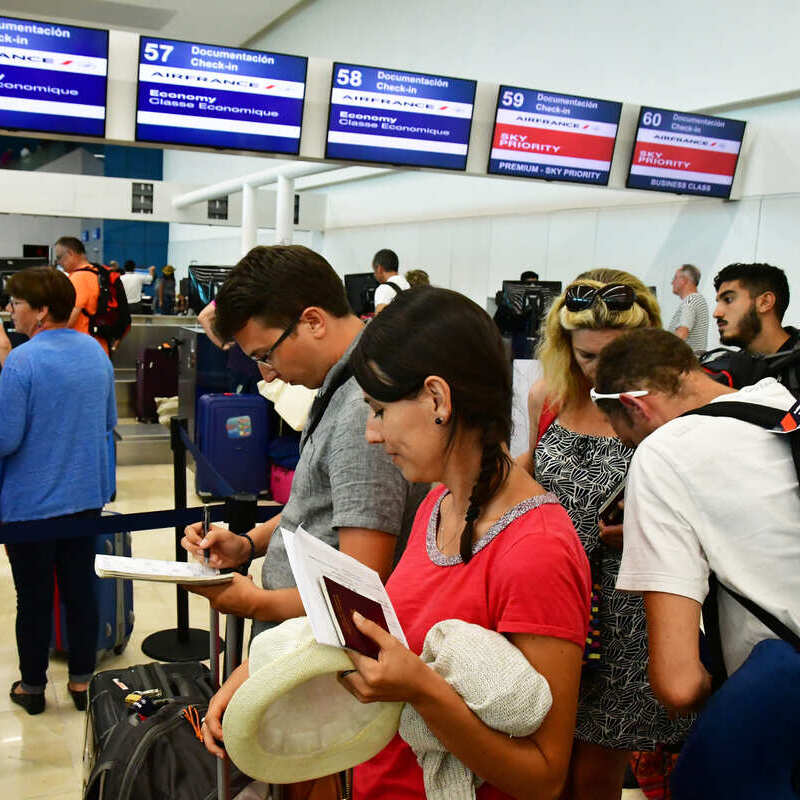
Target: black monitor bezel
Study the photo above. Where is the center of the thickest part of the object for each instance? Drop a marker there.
(216, 148)
(489, 170)
(393, 163)
(672, 191)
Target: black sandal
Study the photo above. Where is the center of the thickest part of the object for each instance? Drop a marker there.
(80, 697)
(32, 703)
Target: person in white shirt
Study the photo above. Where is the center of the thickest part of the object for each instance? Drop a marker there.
(690, 320)
(704, 494)
(385, 265)
(133, 282)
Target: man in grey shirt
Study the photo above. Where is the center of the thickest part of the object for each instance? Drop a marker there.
(690, 320)
(286, 308)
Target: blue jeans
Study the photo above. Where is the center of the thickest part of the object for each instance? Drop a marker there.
(32, 565)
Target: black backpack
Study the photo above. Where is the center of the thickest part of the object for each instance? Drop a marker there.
(161, 756)
(738, 368)
(112, 320)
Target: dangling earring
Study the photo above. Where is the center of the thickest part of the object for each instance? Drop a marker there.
(38, 323)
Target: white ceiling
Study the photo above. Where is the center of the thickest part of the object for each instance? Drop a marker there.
(195, 20)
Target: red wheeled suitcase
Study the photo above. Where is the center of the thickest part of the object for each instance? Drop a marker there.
(156, 376)
(232, 431)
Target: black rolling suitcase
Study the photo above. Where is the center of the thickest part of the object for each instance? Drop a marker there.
(156, 376)
(133, 757)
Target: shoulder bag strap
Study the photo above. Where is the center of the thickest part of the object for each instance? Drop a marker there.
(322, 401)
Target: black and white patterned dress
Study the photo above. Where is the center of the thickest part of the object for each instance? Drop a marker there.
(617, 708)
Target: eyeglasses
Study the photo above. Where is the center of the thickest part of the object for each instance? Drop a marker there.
(13, 302)
(616, 395)
(266, 359)
(616, 296)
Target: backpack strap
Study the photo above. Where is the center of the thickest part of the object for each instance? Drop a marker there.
(394, 286)
(772, 419)
(546, 419)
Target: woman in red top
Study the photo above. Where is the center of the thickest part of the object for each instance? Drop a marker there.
(488, 546)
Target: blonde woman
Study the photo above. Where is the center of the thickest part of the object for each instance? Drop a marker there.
(576, 455)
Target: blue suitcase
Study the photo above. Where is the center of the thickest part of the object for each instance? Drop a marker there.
(114, 604)
(232, 431)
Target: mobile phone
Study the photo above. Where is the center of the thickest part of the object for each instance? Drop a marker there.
(610, 513)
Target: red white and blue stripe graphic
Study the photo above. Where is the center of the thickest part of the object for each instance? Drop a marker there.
(394, 117)
(215, 96)
(551, 136)
(52, 77)
(685, 153)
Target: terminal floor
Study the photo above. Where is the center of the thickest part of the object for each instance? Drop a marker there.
(41, 756)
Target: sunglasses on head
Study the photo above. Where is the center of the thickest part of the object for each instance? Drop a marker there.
(616, 296)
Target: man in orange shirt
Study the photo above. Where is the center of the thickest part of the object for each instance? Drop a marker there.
(71, 256)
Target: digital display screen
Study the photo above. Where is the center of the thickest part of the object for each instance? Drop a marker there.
(685, 153)
(393, 117)
(214, 96)
(556, 137)
(52, 77)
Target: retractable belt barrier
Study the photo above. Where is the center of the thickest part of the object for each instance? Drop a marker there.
(221, 488)
(66, 528)
(61, 528)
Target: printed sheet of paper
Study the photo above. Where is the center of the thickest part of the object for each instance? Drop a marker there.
(149, 569)
(310, 559)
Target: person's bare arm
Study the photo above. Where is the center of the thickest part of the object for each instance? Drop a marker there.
(533, 766)
(206, 319)
(677, 676)
(682, 332)
(243, 598)
(536, 398)
(5, 344)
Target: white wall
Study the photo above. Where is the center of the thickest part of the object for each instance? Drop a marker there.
(474, 255)
(685, 55)
(19, 229)
(209, 244)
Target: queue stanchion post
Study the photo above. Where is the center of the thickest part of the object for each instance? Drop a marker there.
(181, 643)
(241, 511)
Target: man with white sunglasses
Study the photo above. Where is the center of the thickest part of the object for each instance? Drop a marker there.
(713, 510)
(704, 494)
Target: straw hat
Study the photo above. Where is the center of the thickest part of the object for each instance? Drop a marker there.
(291, 720)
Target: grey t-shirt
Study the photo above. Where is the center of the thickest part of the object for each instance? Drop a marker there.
(692, 313)
(341, 481)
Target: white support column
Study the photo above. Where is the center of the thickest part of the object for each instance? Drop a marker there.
(284, 211)
(249, 221)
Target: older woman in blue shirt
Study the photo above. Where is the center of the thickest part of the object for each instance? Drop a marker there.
(58, 405)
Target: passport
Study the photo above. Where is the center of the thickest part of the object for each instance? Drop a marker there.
(342, 602)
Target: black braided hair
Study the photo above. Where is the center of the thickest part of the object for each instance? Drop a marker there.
(495, 466)
(431, 331)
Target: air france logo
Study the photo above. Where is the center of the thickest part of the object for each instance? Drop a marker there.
(46, 60)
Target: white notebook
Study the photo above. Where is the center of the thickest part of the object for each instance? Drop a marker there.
(149, 569)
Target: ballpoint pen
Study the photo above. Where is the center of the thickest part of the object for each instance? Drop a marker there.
(206, 527)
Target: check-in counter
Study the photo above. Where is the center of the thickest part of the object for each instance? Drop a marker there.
(146, 331)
